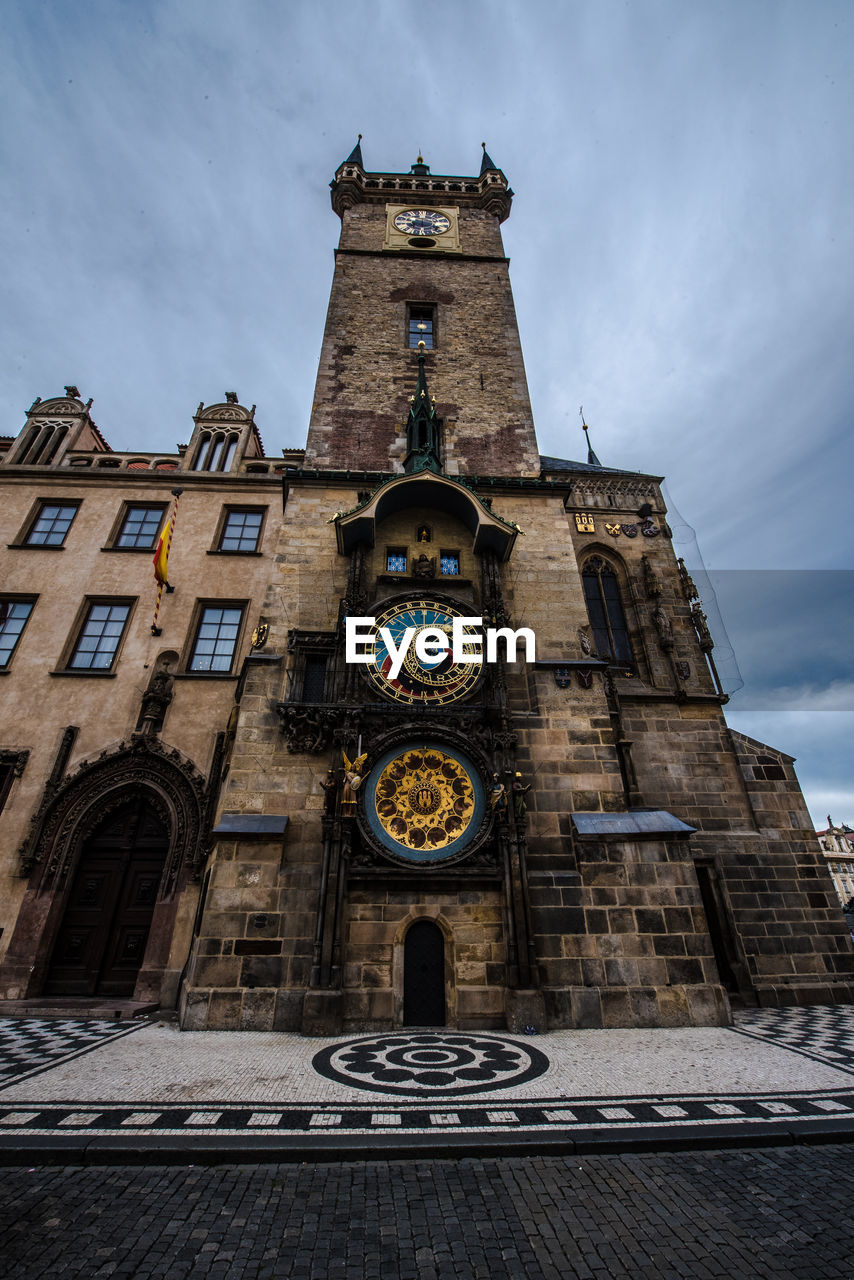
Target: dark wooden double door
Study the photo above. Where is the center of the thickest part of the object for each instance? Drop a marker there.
(101, 941)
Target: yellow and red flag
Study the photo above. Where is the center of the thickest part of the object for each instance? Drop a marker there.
(161, 555)
(161, 558)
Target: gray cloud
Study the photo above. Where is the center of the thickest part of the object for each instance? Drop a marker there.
(681, 238)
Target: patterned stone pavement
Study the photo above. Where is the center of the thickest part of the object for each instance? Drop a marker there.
(774, 1214)
(91, 1090)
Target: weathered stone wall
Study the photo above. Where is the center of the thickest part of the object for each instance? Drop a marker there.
(626, 943)
(472, 920)
(475, 372)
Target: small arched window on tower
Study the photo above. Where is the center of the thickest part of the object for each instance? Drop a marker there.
(216, 451)
(605, 610)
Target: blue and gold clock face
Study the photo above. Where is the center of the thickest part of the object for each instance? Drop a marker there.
(422, 222)
(430, 682)
(424, 802)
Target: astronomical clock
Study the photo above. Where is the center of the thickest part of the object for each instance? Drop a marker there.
(431, 682)
(424, 800)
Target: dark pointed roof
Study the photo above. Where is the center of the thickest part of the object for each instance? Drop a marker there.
(548, 463)
(591, 456)
(355, 156)
(487, 162)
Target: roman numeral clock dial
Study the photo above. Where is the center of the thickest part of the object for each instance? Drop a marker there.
(432, 682)
(422, 222)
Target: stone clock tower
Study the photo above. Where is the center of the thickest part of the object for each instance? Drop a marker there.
(572, 839)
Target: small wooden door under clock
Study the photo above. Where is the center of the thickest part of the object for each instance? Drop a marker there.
(424, 975)
(101, 940)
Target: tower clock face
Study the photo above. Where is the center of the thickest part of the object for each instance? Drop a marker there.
(424, 802)
(422, 222)
(432, 682)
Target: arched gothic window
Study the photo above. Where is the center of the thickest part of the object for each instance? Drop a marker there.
(215, 451)
(605, 610)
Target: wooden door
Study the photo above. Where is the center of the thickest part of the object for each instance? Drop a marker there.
(101, 941)
(424, 975)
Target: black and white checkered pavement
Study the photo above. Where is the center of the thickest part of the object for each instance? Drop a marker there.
(557, 1116)
(421, 1087)
(29, 1046)
(824, 1033)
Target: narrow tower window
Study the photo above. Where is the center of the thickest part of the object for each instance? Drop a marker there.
(422, 326)
(605, 610)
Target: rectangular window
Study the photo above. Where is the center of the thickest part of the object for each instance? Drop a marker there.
(395, 561)
(449, 563)
(421, 326)
(7, 777)
(241, 531)
(51, 524)
(140, 528)
(98, 641)
(314, 677)
(216, 638)
(13, 618)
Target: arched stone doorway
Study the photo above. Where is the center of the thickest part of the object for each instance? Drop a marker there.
(61, 855)
(424, 975)
(101, 941)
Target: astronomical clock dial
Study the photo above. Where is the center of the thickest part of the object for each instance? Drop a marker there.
(422, 222)
(432, 682)
(424, 802)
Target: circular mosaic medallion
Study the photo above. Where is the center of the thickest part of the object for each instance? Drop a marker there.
(423, 802)
(431, 1064)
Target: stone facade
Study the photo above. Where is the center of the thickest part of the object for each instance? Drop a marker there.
(580, 838)
(140, 727)
(837, 843)
(659, 864)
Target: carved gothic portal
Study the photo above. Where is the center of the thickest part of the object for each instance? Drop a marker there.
(104, 931)
(112, 848)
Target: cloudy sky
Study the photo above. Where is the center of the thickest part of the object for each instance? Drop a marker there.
(681, 246)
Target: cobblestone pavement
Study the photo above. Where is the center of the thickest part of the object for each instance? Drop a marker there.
(781, 1214)
(73, 1086)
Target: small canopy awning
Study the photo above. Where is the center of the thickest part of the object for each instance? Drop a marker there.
(437, 493)
(251, 824)
(632, 824)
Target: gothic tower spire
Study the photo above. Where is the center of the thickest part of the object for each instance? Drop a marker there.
(422, 427)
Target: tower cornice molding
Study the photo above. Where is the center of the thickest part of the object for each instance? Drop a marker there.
(352, 186)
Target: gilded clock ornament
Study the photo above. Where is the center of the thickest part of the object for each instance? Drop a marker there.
(424, 802)
(434, 681)
(422, 222)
